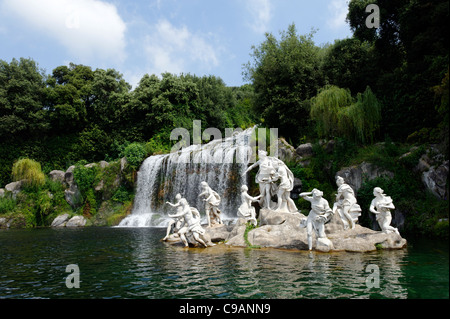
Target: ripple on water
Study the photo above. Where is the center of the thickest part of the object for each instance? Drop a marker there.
(133, 263)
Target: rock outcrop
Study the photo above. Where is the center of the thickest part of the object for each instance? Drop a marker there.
(282, 230)
(354, 175)
(64, 221)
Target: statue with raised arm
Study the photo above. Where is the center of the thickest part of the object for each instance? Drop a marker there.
(346, 205)
(270, 170)
(381, 206)
(320, 213)
(246, 210)
(175, 222)
(191, 224)
(212, 201)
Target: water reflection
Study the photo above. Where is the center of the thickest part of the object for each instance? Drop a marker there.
(134, 263)
(224, 272)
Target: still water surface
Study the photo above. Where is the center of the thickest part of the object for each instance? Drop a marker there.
(133, 263)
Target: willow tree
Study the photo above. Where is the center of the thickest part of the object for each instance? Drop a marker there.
(29, 171)
(336, 113)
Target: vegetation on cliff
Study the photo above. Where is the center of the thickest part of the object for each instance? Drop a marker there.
(375, 94)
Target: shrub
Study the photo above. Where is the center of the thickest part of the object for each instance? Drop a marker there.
(29, 171)
(135, 154)
(7, 205)
(85, 177)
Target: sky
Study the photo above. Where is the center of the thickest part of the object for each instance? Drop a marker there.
(201, 37)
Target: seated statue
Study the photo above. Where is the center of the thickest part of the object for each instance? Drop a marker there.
(381, 206)
(212, 202)
(346, 205)
(320, 213)
(246, 210)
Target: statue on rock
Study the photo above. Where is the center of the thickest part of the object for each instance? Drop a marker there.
(346, 205)
(178, 222)
(246, 210)
(319, 214)
(212, 202)
(381, 206)
(271, 170)
(286, 177)
(191, 225)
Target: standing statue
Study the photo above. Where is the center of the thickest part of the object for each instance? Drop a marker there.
(264, 178)
(191, 223)
(346, 204)
(246, 210)
(178, 222)
(381, 206)
(319, 214)
(271, 170)
(212, 202)
(285, 202)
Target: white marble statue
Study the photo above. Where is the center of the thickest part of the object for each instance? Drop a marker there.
(319, 214)
(346, 205)
(264, 178)
(246, 210)
(381, 206)
(270, 171)
(286, 178)
(212, 202)
(178, 222)
(191, 224)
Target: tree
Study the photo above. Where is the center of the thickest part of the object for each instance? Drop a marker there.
(410, 56)
(22, 113)
(336, 113)
(29, 171)
(349, 64)
(285, 74)
(109, 93)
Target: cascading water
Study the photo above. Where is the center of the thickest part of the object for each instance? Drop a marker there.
(220, 163)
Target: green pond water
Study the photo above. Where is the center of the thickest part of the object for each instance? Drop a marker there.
(134, 263)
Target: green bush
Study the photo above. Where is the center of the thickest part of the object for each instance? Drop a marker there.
(122, 195)
(85, 177)
(134, 153)
(29, 171)
(7, 205)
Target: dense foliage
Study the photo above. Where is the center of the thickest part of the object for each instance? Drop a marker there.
(375, 94)
(402, 62)
(77, 113)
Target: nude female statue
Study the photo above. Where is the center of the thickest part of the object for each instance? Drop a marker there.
(212, 202)
(191, 223)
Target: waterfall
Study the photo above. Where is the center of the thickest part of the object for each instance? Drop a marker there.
(220, 163)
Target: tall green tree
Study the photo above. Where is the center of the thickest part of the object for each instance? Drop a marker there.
(22, 113)
(348, 63)
(410, 56)
(285, 74)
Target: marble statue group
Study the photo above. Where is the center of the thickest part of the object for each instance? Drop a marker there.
(276, 181)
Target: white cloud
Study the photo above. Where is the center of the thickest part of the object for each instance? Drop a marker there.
(260, 14)
(338, 10)
(173, 49)
(87, 28)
